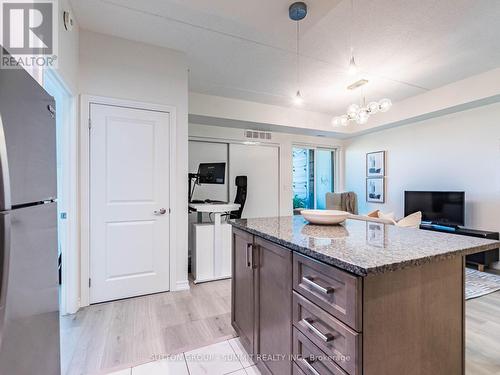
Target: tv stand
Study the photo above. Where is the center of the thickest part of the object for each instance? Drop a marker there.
(481, 260)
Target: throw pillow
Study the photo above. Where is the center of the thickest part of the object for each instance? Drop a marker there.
(411, 221)
(389, 216)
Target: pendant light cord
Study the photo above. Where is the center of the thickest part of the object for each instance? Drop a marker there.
(351, 28)
(297, 57)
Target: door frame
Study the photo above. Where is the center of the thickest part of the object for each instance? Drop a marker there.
(85, 102)
(337, 183)
(69, 303)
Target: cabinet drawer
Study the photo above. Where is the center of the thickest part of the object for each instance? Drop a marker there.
(310, 359)
(335, 339)
(336, 291)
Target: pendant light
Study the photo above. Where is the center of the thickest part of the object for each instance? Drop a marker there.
(297, 12)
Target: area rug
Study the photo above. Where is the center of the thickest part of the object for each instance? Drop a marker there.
(478, 283)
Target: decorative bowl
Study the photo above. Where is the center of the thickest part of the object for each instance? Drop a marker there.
(325, 217)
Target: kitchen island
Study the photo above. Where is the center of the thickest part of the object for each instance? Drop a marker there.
(359, 298)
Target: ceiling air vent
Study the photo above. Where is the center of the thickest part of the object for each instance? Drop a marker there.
(258, 134)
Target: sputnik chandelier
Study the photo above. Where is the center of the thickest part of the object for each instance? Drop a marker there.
(361, 113)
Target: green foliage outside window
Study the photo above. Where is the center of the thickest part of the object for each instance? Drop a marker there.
(299, 202)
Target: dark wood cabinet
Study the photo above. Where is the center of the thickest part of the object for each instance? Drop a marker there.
(274, 306)
(262, 301)
(242, 291)
(332, 322)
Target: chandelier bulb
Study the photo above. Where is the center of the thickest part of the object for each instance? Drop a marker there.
(336, 121)
(385, 105)
(344, 119)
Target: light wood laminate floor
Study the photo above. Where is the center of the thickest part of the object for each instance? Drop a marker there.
(129, 332)
(483, 335)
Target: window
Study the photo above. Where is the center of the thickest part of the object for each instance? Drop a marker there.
(313, 177)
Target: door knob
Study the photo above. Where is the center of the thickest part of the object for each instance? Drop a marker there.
(161, 211)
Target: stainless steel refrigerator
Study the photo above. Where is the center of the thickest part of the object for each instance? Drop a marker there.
(29, 299)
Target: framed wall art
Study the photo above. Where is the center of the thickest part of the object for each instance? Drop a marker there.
(375, 190)
(375, 164)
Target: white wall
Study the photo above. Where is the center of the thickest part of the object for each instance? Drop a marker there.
(260, 164)
(285, 142)
(460, 151)
(119, 68)
(68, 55)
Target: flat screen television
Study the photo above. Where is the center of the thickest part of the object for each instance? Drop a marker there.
(211, 173)
(437, 207)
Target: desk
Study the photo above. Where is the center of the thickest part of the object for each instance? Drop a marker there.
(217, 249)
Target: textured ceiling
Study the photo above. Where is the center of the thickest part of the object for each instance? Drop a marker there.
(246, 49)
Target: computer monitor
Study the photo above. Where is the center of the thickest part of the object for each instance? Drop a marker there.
(212, 173)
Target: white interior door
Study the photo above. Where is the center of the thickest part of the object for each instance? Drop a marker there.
(261, 166)
(129, 202)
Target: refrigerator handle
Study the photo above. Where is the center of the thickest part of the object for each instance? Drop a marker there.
(4, 265)
(5, 202)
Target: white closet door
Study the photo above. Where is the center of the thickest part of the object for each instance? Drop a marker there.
(261, 165)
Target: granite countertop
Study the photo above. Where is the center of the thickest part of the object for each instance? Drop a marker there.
(360, 247)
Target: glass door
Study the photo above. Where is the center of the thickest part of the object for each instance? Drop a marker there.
(313, 177)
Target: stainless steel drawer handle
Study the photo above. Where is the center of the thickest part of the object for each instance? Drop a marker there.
(308, 322)
(161, 211)
(310, 281)
(309, 367)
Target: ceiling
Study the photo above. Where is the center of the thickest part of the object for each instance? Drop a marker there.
(246, 49)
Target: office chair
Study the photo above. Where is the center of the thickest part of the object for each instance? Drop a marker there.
(241, 197)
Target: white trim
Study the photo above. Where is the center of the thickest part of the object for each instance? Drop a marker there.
(70, 258)
(338, 171)
(231, 140)
(207, 280)
(315, 145)
(85, 102)
(182, 285)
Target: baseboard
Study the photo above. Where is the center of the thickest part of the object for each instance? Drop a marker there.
(181, 285)
(73, 308)
(199, 281)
